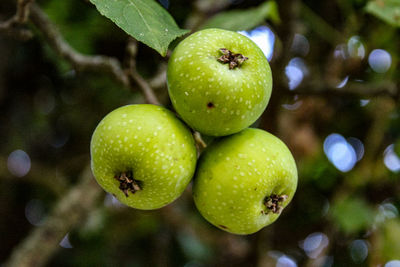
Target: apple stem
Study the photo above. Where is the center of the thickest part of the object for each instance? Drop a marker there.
(234, 60)
(127, 183)
(274, 202)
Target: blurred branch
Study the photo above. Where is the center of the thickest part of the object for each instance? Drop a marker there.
(72, 209)
(93, 63)
(160, 78)
(136, 77)
(363, 90)
(370, 167)
(288, 12)
(38, 174)
(79, 61)
(20, 17)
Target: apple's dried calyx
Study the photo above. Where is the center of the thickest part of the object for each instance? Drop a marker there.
(127, 183)
(234, 60)
(274, 203)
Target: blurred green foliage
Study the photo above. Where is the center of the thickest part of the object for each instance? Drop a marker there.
(387, 10)
(352, 214)
(241, 20)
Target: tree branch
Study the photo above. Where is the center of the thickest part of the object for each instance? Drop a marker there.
(135, 77)
(39, 174)
(93, 63)
(363, 90)
(79, 61)
(20, 17)
(159, 80)
(43, 242)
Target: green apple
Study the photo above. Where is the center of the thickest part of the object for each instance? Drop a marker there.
(143, 155)
(244, 181)
(219, 81)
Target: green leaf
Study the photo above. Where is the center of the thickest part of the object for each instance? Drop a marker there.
(238, 20)
(352, 214)
(386, 10)
(145, 20)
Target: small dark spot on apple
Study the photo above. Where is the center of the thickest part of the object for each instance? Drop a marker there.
(210, 104)
(255, 189)
(223, 226)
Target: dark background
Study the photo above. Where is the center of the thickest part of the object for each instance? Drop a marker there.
(335, 103)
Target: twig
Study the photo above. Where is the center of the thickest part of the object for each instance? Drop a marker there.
(20, 17)
(43, 242)
(93, 63)
(160, 78)
(147, 91)
(201, 145)
(79, 61)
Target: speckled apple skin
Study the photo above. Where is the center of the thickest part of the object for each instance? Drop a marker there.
(234, 176)
(195, 78)
(152, 143)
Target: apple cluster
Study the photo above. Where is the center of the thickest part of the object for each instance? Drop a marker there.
(219, 83)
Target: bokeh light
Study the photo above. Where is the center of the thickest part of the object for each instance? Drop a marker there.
(364, 102)
(358, 147)
(386, 211)
(355, 47)
(380, 60)
(300, 45)
(358, 250)
(314, 244)
(343, 82)
(35, 212)
(340, 152)
(65, 243)
(264, 38)
(285, 261)
(340, 52)
(282, 260)
(19, 163)
(293, 106)
(295, 71)
(393, 263)
(391, 160)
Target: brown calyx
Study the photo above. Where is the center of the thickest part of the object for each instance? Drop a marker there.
(274, 202)
(234, 60)
(127, 183)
